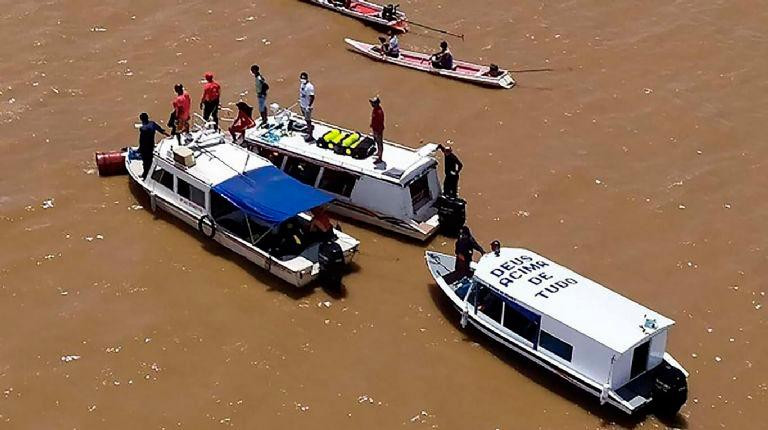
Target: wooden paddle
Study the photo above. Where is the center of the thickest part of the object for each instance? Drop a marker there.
(461, 36)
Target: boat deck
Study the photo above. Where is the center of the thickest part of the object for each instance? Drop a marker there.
(400, 162)
(638, 391)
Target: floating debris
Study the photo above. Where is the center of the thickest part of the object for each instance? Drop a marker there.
(240, 39)
(47, 204)
(266, 42)
(69, 358)
(98, 29)
(718, 359)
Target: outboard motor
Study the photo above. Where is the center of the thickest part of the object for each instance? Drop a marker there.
(331, 259)
(389, 12)
(670, 390)
(452, 213)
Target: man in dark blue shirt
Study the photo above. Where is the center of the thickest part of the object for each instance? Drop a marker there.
(147, 141)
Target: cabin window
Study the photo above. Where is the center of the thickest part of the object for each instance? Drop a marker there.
(274, 157)
(640, 359)
(337, 182)
(163, 177)
(191, 193)
(556, 346)
(490, 304)
(420, 194)
(521, 321)
(302, 170)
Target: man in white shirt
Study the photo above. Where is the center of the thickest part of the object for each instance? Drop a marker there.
(307, 102)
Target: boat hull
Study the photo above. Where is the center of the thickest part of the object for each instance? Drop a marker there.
(463, 71)
(367, 12)
(224, 238)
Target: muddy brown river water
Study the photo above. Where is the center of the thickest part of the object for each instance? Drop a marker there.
(638, 161)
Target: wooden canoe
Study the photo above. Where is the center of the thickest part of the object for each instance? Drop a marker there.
(462, 70)
(368, 12)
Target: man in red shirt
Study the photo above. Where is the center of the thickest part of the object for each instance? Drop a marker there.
(210, 101)
(377, 126)
(181, 107)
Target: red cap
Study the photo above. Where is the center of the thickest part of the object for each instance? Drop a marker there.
(208, 76)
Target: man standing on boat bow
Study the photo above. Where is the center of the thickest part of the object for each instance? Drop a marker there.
(261, 93)
(452, 168)
(147, 141)
(377, 127)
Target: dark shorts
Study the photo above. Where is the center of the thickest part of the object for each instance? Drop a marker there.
(211, 109)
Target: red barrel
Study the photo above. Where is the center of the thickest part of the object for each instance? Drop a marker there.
(111, 163)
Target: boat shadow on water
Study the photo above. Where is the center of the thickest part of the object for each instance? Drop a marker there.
(272, 282)
(607, 414)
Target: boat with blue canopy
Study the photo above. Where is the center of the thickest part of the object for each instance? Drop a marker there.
(242, 201)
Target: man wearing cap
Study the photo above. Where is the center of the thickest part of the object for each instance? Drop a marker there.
(261, 93)
(307, 102)
(210, 101)
(452, 168)
(377, 127)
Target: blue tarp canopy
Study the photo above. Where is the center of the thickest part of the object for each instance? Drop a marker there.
(270, 195)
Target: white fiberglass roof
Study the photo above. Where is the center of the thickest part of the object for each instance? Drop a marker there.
(562, 294)
(401, 163)
(216, 160)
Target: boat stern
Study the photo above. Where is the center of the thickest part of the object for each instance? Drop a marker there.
(507, 81)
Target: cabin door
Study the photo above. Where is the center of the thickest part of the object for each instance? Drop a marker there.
(640, 359)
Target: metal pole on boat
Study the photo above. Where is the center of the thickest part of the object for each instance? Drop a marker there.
(461, 36)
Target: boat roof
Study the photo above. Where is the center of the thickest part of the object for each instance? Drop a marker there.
(572, 299)
(215, 161)
(402, 164)
(247, 180)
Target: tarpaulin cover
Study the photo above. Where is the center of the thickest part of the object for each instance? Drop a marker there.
(270, 195)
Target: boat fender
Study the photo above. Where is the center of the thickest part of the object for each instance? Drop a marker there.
(211, 224)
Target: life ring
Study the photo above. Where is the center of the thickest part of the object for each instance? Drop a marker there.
(211, 224)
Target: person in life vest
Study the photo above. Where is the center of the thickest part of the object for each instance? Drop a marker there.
(181, 107)
(444, 58)
(210, 101)
(243, 121)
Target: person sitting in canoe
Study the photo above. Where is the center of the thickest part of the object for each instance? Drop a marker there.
(389, 47)
(243, 121)
(493, 71)
(444, 58)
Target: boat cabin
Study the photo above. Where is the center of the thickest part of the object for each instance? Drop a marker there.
(398, 195)
(592, 336)
(239, 199)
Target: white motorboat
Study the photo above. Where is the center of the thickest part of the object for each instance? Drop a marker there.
(402, 195)
(587, 334)
(243, 202)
